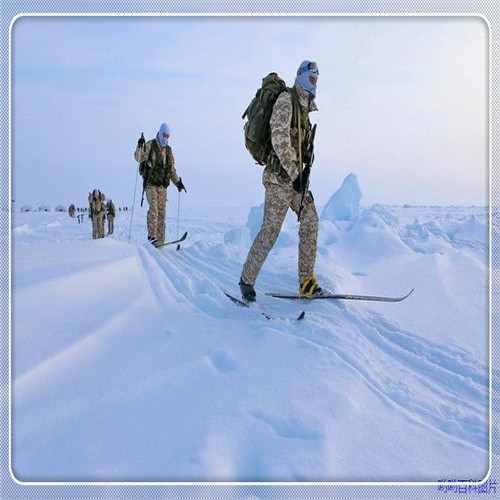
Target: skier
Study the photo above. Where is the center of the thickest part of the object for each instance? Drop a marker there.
(157, 167)
(110, 214)
(286, 182)
(97, 213)
(71, 211)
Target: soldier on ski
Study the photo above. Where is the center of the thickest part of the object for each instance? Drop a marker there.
(110, 214)
(97, 213)
(157, 167)
(286, 182)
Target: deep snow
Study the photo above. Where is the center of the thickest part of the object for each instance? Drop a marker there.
(129, 363)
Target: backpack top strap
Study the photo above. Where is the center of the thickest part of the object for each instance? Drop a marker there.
(154, 145)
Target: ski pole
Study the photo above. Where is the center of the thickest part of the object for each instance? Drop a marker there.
(178, 216)
(178, 211)
(133, 205)
(140, 143)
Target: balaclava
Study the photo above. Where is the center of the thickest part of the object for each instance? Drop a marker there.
(164, 130)
(306, 70)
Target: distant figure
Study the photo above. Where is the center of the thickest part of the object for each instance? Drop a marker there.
(110, 214)
(71, 211)
(97, 213)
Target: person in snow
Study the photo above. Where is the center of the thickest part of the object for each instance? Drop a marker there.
(110, 215)
(97, 213)
(157, 167)
(284, 182)
(71, 211)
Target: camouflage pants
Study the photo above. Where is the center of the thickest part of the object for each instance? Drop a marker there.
(111, 224)
(278, 199)
(157, 200)
(98, 226)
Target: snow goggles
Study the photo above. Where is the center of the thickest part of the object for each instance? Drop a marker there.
(311, 67)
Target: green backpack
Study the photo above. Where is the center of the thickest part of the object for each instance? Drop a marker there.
(258, 113)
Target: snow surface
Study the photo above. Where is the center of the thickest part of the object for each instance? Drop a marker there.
(129, 363)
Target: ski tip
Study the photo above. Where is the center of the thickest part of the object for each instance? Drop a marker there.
(408, 294)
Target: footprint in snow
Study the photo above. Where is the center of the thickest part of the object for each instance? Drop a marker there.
(223, 362)
(288, 427)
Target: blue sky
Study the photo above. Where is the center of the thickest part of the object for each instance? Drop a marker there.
(402, 104)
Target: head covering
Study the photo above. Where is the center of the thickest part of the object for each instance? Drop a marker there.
(307, 69)
(164, 131)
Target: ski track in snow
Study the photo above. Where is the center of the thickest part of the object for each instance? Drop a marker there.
(438, 385)
(416, 391)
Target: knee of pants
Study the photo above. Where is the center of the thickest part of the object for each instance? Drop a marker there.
(269, 232)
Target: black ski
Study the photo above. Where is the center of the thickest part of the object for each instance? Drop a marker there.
(182, 238)
(242, 303)
(341, 296)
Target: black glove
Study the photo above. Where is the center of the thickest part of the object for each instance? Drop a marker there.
(141, 141)
(180, 185)
(300, 185)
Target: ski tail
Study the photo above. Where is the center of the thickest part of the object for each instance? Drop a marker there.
(182, 238)
(242, 303)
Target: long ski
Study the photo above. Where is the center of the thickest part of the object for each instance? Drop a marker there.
(182, 238)
(341, 296)
(242, 303)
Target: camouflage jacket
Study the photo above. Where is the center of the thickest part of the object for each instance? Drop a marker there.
(283, 164)
(160, 164)
(96, 204)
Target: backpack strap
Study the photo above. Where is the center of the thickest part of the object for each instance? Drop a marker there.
(295, 107)
(143, 165)
(153, 145)
(295, 114)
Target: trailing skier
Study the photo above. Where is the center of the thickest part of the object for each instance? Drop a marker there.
(97, 213)
(284, 145)
(110, 214)
(157, 168)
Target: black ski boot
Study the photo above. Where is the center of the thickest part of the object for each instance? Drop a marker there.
(247, 291)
